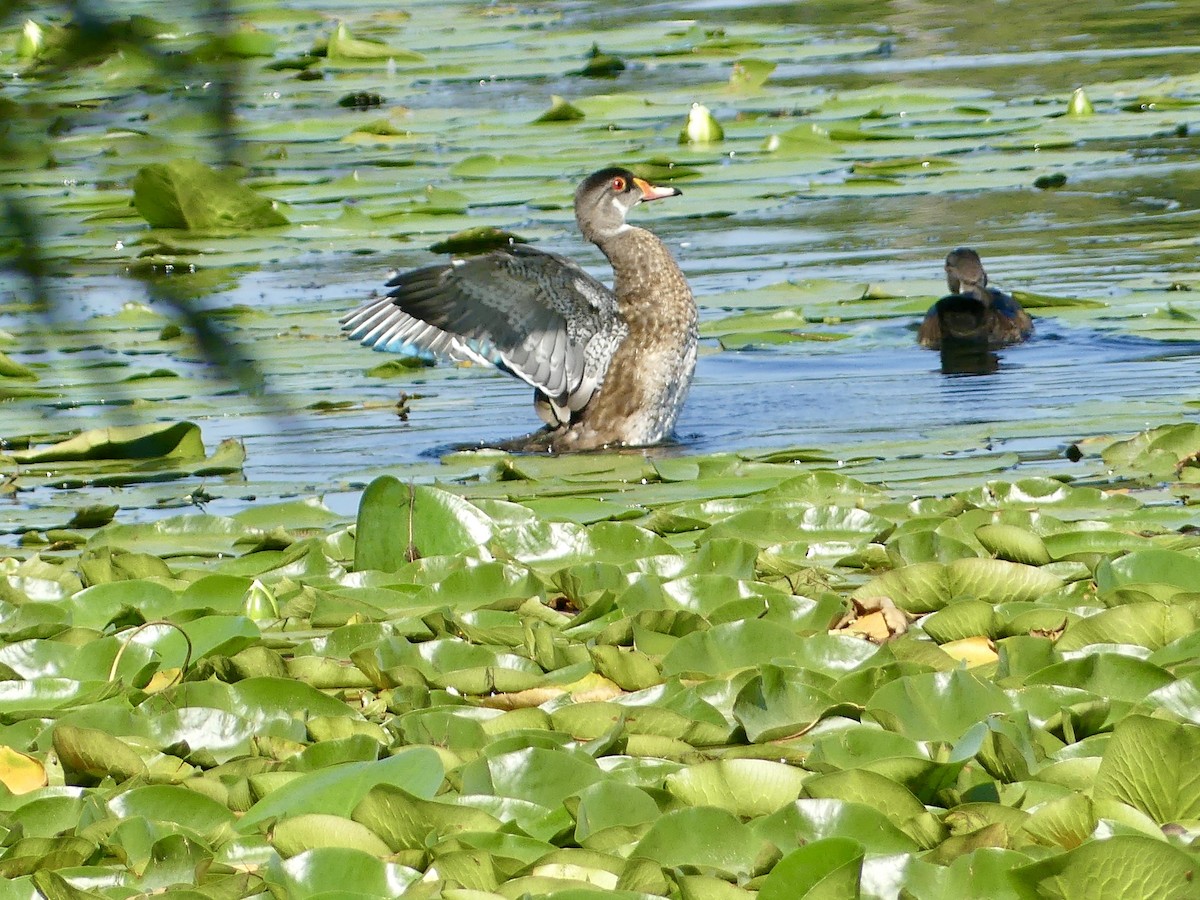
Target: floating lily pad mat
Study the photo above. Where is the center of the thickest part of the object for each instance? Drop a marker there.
(867, 629)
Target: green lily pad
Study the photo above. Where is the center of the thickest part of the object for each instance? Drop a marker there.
(540, 776)
(91, 754)
(326, 871)
(1122, 863)
(407, 822)
(936, 705)
(1157, 452)
(178, 441)
(902, 809)
(780, 702)
(560, 111)
(480, 239)
(338, 789)
(10, 368)
(344, 47)
(831, 867)
(188, 194)
(704, 838)
(398, 523)
(810, 819)
(748, 788)
(297, 834)
(924, 587)
(1166, 791)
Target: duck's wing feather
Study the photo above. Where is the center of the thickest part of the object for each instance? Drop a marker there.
(534, 314)
(929, 334)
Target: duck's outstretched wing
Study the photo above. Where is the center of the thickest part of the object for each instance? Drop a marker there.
(534, 314)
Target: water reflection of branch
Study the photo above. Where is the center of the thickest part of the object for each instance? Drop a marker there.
(27, 258)
(92, 33)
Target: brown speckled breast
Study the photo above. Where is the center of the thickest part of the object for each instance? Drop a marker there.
(648, 377)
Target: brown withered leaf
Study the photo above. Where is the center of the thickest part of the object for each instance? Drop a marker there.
(876, 619)
(591, 687)
(522, 699)
(1053, 633)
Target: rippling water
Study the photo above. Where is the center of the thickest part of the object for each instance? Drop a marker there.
(1066, 385)
(1116, 230)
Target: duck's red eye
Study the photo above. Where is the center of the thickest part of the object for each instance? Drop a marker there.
(619, 184)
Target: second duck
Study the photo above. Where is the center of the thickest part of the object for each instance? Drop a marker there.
(973, 313)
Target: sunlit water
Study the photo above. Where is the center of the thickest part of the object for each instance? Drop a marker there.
(1043, 396)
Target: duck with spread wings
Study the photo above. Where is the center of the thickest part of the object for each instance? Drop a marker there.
(608, 367)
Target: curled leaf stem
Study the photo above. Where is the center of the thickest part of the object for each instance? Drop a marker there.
(187, 657)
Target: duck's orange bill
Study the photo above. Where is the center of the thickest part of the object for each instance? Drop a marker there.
(652, 192)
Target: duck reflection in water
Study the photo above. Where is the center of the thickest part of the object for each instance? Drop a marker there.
(974, 320)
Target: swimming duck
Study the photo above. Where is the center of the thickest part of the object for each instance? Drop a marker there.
(973, 313)
(608, 367)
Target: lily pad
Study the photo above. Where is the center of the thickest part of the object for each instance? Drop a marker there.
(702, 837)
(338, 789)
(188, 194)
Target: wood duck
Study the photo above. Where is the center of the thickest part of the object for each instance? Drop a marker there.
(973, 314)
(608, 367)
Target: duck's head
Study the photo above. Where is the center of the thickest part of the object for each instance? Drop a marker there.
(965, 274)
(604, 198)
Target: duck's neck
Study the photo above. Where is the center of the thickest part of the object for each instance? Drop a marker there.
(643, 271)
